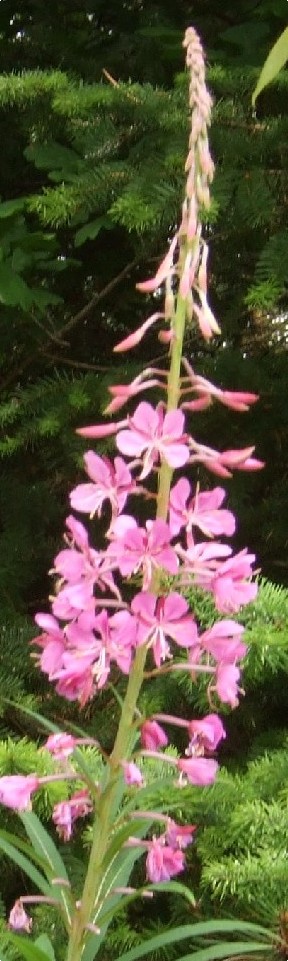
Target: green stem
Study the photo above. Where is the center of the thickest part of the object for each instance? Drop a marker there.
(110, 797)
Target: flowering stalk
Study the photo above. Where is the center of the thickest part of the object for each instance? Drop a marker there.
(107, 803)
(100, 628)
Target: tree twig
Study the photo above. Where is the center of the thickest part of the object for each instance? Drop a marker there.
(76, 319)
(74, 363)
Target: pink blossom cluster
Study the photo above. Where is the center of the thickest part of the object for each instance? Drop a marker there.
(92, 627)
(165, 853)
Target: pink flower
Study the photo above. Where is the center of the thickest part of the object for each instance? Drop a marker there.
(179, 835)
(198, 770)
(52, 642)
(158, 434)
(121, 393)
(134, 548)
(62, 818)
(222, 640)
(110, 482)
(222, 464)
(202, 560)
(160, 617)
(205, 734)
(241, 459)
(78, 533)
(67, 812)
(235, 399)
(92, 642)
(74, 598)
(134, 339)
(75, 679)
(153, 736)
(165, 269)
(163, 862)
(202, 511)
(16, 790)
(61, 745)
(83, 568)
(230, 586)
(227, 686)
(207, 322)
(132, 774)
(118, 637)
(18, 919)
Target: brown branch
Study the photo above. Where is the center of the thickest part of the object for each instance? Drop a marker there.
(81, 315)
(74, 363)
(85, 311)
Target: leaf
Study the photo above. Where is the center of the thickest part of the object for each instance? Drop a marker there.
(140, 827)
(10, 207)
(168, 886)
(4, 956)
(44, 943)
(91, 230)
(30, 950)
(13, 290)
(23, 846)
(173, 887)
(275, 61)
(25, 864)
(42, 298)
(55, 867)
(201, 929)
(40, 838)
(48, 725)
(117, 874)
(52, 156)
(20, 260)
(226, 950)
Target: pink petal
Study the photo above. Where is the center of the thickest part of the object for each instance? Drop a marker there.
(130, 443)
(176, 454)
(199, 770)
(138, 334)
(173, 424)
(147, 286)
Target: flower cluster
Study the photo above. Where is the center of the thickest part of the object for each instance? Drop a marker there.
(93, 627)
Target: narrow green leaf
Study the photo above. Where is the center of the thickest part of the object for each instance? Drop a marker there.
(29, 949)
(275, 61)
(3, 956)
(25, 864)
(23, 846)
(44, 943)
(55, 867)
(227, 949)
(117, 875)
(199, 929)
(140, 828)
(54, 728)
(48, 725)
(173, 887)
(43, 844)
